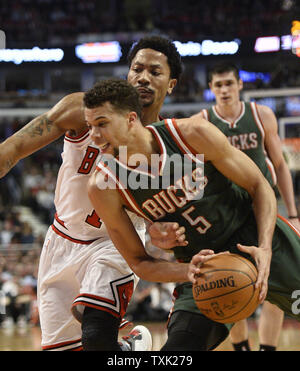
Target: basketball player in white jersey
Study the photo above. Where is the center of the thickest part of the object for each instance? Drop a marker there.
(253, 129)
(79, 266)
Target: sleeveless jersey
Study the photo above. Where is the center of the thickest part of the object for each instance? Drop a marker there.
(210, 209)
(75, 217)
(247, 134)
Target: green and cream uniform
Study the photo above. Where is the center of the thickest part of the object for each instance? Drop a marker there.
(216, 213)
(247, 134)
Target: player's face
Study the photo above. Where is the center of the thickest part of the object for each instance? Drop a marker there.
(226, 88)
(149, 73)
(108, 127)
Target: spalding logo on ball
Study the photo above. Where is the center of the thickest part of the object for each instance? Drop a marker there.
(225, 289)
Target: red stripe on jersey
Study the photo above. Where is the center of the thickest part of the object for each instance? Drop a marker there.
(289, 224)
(61, 345)
(62, 223)
(78, 139)
(191, 149)
(57, 231)
(95, 306)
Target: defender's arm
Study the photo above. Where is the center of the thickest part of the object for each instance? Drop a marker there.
(66, 115)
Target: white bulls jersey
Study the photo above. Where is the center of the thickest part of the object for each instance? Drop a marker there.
(75, 217)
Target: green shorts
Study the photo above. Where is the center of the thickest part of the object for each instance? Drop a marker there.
(284, 279)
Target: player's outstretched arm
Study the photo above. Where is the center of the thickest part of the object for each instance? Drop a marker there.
(66, 115)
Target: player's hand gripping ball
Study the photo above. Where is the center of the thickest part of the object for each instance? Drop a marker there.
(225, 290)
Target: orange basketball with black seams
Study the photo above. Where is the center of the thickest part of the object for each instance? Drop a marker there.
(225, 290)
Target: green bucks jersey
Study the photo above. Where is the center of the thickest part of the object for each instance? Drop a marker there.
(247, 134)
(186, 189)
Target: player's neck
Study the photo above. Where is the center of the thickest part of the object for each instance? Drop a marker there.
(149, 116)
(144, 144)
(230, 112)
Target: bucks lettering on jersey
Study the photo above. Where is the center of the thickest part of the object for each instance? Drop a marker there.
(188, 190)
(247, 134)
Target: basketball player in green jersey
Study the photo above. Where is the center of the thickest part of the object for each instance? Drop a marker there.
(232, 207)
(253, 129)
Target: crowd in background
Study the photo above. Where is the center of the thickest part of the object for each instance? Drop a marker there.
(30, 183)
(53, 21)
(192, 88)
(19, 256)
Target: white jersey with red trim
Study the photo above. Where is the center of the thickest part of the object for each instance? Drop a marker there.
(75, 217)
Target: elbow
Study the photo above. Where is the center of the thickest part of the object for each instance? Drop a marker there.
(136, 265)
(9, 157)
(143, 268)
(260, 185)
(281, 169)
(262, 191)
(137, 270)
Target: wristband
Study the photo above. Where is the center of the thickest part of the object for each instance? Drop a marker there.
(293, 217)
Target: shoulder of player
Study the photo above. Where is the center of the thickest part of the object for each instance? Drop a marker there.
(267, 117)
(68, 113)
(264, 110)
(196, 128)
(195, 122)
(199, 115)
(202, 135)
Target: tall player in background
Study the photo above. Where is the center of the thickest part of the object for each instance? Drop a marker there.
(253, 129)
(79, 266)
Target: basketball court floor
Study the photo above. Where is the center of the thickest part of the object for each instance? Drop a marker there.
(28, 339)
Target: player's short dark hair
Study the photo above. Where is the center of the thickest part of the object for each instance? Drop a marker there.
(162, 45)
(119, 93)
(222, 68)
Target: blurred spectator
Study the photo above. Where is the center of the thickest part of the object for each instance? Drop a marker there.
(139, 14)
(7, 232)
(19, 257)
(31, 182)
(39, 186)
(19, 291)
(27, 234)
(150, 302)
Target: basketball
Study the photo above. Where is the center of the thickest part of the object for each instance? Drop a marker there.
(225, 289)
